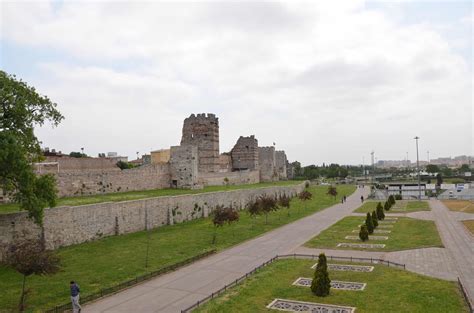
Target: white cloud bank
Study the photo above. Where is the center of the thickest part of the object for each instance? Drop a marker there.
(326, 82)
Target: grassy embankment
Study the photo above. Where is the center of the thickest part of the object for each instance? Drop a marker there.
(143, 194)
(106, 262)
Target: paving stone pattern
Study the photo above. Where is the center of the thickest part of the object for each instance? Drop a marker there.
(336, 284)
(347, 267)
(361, 245)
(300, 306)
(370, 237)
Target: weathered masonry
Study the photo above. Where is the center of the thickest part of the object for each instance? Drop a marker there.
(195, 163)
(64, 226)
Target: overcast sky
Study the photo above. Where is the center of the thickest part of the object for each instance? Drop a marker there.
(326, 82)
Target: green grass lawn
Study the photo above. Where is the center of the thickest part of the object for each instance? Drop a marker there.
(401, 206)
(143, 194)
(388, 290)
(407, 233)
(106, 262)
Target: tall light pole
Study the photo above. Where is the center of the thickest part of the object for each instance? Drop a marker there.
(418, 168)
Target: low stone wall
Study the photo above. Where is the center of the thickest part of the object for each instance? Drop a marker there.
(151, 176)
(64, 226)
(233, 178)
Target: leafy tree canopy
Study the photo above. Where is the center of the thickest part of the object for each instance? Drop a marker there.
(21, 109)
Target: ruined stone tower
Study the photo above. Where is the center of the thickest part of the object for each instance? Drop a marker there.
(245, 154)
(202, 131)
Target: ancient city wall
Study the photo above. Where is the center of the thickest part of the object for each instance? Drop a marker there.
(151, 176)
(267, 163)
(233, 178)
(64, 226)
(76, 165)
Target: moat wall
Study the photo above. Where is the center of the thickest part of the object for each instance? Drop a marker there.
(64, 226)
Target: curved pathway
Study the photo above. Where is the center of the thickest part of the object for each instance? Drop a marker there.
(180, 289)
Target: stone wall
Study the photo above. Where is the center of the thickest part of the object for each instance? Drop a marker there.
(184, 166)
(68, 164)
(225, 163)
(64, 226)
(266, 161)
(233, 178)
(202, 130)
(280, 163)
(245, 153)
(149, 176)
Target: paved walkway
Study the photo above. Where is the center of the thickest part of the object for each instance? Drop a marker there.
(180, 289)
(458, 242)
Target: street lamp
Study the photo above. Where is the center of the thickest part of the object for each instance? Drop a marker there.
(418, 168)
(82, 151)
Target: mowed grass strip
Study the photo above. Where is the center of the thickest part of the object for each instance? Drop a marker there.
(388, 290)
(104, 263)
(143, 194)
(407, 233)
(459, 205)
(469, 224)
(401, 206)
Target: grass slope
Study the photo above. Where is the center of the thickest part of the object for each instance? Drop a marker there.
(407, 233)
(401, 206)
(460, 205)
(105, 262)
(143, 194)
(469, 225)
(388, 290)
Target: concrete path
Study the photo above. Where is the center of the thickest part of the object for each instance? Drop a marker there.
(458, 241)
(434, 262)
(180, 289)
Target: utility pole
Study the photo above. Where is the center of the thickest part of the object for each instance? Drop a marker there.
(418, 168)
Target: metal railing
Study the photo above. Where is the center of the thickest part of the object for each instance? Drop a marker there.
(126, 284)
(465, 295)
(288, 256)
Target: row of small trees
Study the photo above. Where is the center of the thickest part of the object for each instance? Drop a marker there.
(263, 205)
(371, 221)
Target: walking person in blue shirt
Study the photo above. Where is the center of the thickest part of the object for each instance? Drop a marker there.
(76, 307)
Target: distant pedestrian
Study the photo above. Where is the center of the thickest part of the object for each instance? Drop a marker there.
(76, 307)
(361, 198)
(345, 198)
(342, 200)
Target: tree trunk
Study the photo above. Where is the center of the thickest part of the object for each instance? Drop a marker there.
(22, 298)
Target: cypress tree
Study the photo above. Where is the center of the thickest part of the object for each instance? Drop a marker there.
(321, 283)
(386, 206)
(363, 233)
(380, 213)
(391, 199)
(375, 219)
(370, 224)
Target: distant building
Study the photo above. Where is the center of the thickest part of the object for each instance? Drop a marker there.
(160, 156)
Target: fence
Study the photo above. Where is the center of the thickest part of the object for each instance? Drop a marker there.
(288, 256)
(107, 291)
(466, 297)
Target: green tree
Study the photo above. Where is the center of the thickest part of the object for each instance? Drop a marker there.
(321, 283)
(439, 180)
(375, 219)
(432, 168)
(386, 206)
(28, 257)
(75, 154)
(391, 200)
(363, 233)
(369, 223)
(21, 109)
(379, 210)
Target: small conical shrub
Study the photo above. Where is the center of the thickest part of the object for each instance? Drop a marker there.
(369, 223)
(386, 206)
(375, 219)
(391, 199)
(380, 213)
(363, 233)
(321, 283)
